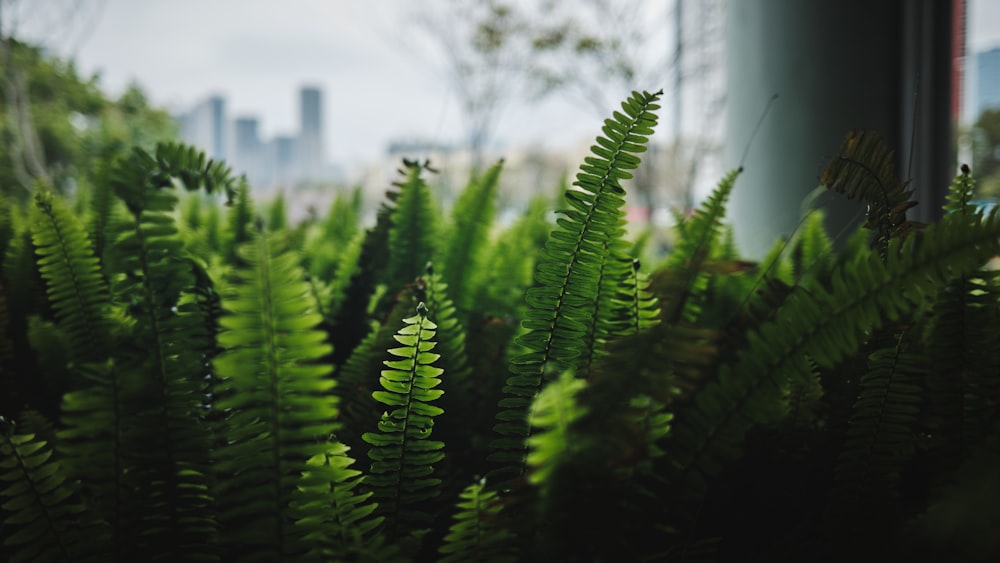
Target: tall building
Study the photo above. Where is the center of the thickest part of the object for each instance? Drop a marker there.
(248, 153)
(282, 160)
(988, 77)
(310, 142)
(205, 127)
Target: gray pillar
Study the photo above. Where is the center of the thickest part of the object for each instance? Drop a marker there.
(836, 65)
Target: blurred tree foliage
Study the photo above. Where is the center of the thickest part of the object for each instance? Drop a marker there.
(56, 124)
(592, 51)
(986, 152)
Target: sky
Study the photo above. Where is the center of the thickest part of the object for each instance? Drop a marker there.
(380, 81)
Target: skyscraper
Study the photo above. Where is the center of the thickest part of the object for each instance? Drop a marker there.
(248, 157)
(205, 127)
(310, 145)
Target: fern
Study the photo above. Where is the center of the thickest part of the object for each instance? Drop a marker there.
(825, 322)
(472, 217)
(412, 237)
(554, 410)
(402, 454)
(333, 521)
(880, 436)
(963, 386)
(71, 272)
(683, 280)
(91, 444)
(44, 518)
(161, 362)
(275, 396)
(359, 377)
(865, 169)
(476, 534)
(567, 276)
(351, 318)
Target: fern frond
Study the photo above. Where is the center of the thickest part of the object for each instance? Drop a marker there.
(412, 238)
(963, 384)
(960, 193)
(195, 171)
(472, 217)
(359, 376)
(91, 444)
(75, 287)
(162, 367)
(881, 432)
(402, 454)
(476, 534)
(275, 396)
(865, 168)
(332, 519)
(240, 224)
(826, 321)
(567, 276)
(44, 519)
(682, 282)
(507, 271)
(351, 319)
(553, 411)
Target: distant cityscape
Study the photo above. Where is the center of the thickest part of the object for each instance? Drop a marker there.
(277, 162)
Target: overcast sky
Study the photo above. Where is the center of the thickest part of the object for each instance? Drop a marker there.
(378, 85)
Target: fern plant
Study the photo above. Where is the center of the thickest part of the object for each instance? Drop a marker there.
(274, 395)
(569, 274)
(45, 519)
(402, 453)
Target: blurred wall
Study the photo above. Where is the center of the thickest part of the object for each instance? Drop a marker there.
(836, 65)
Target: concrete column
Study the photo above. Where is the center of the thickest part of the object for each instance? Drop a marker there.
(836, 65)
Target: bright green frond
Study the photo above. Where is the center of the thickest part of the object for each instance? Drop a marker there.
(76, 289)
(333, 520)
(402, 453)
(275, 396)
(569, 273)
(472, 219)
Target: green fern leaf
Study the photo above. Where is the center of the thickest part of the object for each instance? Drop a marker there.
(825, 320)
(881, 432)
(412, 237)
(554, 411)
(72, 275)
(472, 217)
(161, 362)
(402, 454)
(683, 281)
(91, 443)
(332, 519)
(476, 534)
(44, 519)
(865, 168)
(275, 396)
(568, 274)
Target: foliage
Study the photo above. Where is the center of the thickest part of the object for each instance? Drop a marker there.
(59, 127)
(188, 381)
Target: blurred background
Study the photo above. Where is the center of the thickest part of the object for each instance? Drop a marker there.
(312, 97)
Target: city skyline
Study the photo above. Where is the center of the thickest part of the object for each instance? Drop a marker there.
(278, 160)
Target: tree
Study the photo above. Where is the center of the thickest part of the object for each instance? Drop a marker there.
(590, 52)
(56, 123)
